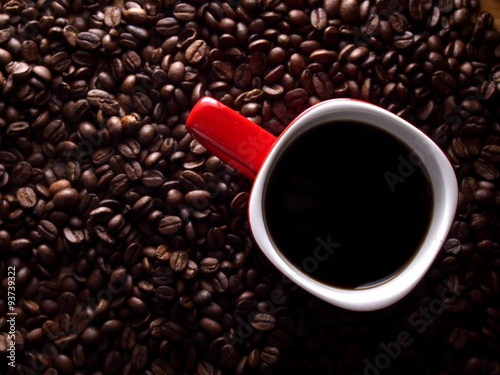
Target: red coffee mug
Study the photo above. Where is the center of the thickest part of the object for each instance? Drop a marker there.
(254, 152)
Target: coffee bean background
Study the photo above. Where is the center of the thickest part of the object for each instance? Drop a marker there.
(130, 241)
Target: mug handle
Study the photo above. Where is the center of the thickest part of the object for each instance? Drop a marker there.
(237, 141)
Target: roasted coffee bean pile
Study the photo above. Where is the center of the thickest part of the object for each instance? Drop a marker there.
(130, 241)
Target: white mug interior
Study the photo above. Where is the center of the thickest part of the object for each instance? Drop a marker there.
(380, 293)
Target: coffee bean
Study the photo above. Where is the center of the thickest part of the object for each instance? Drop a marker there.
(139, 356)
(229, 356)
(119, 184)
(239, 203)
(270, 355)
(348, 11)
(192, 180)
(458, 338)
(112, 16)
(113, 362)
(319, 18)
(178, 261)
(444, 82)
(153, 178)
(163, 276)
(210, 327)
(263, 322)
(170, 225)
(205, 368)
(64, 365)
(184, 12)
(65, 198)
(173, 331)
(295, 97)
(485, 170)
(128, 339)
(26, 197)
(219, 282)
(135, 15)
(167, 26)
(87, 40)
(60, 61)
(160, 367)
(164, 294)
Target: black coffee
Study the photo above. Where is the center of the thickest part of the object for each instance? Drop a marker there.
(348, 203)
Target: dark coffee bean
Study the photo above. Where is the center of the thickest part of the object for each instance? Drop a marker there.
(66, 198)
(67, 302)
(205, 368)
(60, 61)
(26, 197)
(129, 148)
(196, 52)
(54, 131)
(404, 41)
(219, 282)
(242, 75)
(162, 367)
(135, 15)
(5, 57)
(184, 12)
(49, 289)
(153, 178)
(143, 206)
(263, 322)
(74, 236)
(222, 71)
(64, 365)
(210, 327)
(452, 245)
(128, 338)
(163, 275)
(198, 199)
(167, 26)
(458, 338)
(51, 329)
(164, 294)
(239, 203)
(21, 173)
(485, 170)
(349, 10)
(273, 91)
(192, 180)
(202, 297)
(133, 170)
(137, 306)
(173, 331)
(170, 225)
(113, 362)
(179, 260)
(270, 355)
(87, 40)
(119, 184)
(190, 271)
(323, 85)
(229, 356)
(295, 97)
(444, 82)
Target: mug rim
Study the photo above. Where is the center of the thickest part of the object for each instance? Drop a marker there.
(444, 189)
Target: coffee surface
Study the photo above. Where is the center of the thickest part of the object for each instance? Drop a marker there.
(348, 204)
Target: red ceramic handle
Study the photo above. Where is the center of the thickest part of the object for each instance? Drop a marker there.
(237, 141)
